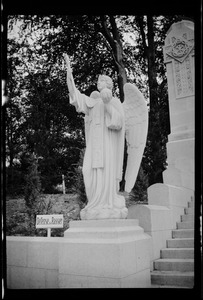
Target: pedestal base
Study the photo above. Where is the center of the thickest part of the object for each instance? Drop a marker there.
(174, 197)
(104, 254)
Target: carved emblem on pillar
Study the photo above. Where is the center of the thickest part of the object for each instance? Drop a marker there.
(179, 51)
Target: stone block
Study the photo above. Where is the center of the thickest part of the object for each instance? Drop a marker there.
(141, 213)
(156, 222)
(180, 118)
(8, 276)
(94, 259)
(31, 278)
(26, 278)
(168, 195)
(43, 253)
(142, 254)
(76, 281)
(51, 279)
(183, 104)
(142, 279)
(36, 278)
(16, 251)
(17, 277)
(160, 218)
(151, 217)
(157, 243)
(128, 258)
(181, 151)
(103, 253)
(175, 177)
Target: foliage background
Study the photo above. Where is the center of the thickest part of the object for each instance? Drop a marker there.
(40, 121)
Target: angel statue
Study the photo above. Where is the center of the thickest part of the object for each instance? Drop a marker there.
(107, 123)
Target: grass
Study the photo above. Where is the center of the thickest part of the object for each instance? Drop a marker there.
(17, 218)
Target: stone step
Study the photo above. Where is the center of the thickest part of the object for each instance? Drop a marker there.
(189, 210)
(158, 286)
(185, 225)
(175, 264)
(173, 279)
(180, 243)
(183, 233)
(183, 253)
(187, 218)
(103, 229)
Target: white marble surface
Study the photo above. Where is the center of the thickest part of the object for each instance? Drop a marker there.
(107, 122)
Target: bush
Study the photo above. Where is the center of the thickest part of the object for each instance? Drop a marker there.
(79, 186)
(139, 191)
(33, 200)
(15, 181)
(17, 218)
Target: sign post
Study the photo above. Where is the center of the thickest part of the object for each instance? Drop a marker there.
(48, 222)
(63, 184)
(49, 232)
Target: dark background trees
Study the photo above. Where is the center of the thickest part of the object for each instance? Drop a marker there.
(39, 118)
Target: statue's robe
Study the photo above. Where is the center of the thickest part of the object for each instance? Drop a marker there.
(103, 160)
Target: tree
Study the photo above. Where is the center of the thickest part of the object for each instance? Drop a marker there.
(151, 37)
(32, 191)
(107, 26)
(48, 125)
(51, 128)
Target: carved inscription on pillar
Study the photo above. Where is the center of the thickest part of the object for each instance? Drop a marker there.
(180, 52)
(183, 78)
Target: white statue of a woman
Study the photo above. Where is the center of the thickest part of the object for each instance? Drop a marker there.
(105, 130)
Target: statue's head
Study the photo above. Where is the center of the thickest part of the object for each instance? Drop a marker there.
(104, 81)
(95, 95)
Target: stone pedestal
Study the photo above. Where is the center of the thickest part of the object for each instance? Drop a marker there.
(104, 254)
(178, 186)
(156, 222)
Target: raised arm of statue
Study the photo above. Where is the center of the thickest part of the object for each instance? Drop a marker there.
(76, 98)
(70, 80)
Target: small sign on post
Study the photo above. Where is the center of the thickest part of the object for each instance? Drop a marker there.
(49, 221)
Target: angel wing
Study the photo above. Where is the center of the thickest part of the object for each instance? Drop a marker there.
(136, 127)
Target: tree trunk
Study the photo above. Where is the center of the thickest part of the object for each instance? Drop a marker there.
(114, 43)
(122, 77)
(154, 122)
(151, 68)
(149, 51)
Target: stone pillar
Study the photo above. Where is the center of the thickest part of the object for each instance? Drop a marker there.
(179, 60)
(166, 201)
(178, 187)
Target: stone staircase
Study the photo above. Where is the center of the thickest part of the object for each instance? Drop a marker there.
(175, 268)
